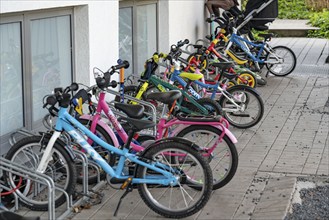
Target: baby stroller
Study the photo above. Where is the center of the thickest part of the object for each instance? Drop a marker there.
(256, 15)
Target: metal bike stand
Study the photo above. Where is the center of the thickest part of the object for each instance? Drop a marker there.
(97, 167)
(23, 132)
(154, 119)
(84, 160)
(22, 171)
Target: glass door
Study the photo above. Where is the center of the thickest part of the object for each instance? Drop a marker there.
(138, 33)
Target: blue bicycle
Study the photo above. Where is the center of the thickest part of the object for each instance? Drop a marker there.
(279, 60)
(172, 178)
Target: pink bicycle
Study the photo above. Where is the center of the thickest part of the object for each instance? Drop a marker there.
(210, 134)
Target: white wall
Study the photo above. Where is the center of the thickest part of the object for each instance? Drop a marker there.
(96, 31)
(186, 20)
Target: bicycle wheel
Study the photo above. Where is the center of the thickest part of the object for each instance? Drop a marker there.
(92, 172)
(242, 106)
(286, 63)
(181, 200)
(28, 152)
(222, 158)
(247, 79)
(212, 106)
(203, 62)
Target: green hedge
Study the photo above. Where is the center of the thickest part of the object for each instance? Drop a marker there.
(293, 9)
(320, 20)
(297, 9)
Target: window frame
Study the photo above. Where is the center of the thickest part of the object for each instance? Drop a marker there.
(134, 4)
(25, 18)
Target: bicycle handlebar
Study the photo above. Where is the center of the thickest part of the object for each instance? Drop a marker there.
(60, 96)
(122, 64)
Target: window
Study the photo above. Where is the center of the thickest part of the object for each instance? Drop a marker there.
(36, 56)
(137, 33)
(11, 87)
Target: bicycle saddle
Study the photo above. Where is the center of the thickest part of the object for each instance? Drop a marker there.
(261, 28)
(223, 65)
(165, 97)
(266, 36)
(133, 111)
(138, 124)
(197, 46)
(191, 76)
(229, 75)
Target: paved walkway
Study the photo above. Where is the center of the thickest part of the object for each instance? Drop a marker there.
(290, 141)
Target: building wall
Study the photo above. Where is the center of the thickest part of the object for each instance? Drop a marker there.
(186, 20)
(96, 31)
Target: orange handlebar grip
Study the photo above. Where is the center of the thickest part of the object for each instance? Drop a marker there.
(122, 75)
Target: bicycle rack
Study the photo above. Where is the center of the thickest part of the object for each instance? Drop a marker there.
(154, 118)
(23, 132)
(45, 178)
(22, 171)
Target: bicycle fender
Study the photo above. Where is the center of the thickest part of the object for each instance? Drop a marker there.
(175, 139)
(243, 87)
(229, 134)
(106, 128)
(69, 149)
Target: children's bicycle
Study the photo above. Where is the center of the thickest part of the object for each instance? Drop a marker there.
(165, 183)
(279, 60)
(216, 141)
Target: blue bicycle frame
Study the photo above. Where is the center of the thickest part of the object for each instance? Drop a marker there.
(237, 40)
(65, 122)
(175, 77)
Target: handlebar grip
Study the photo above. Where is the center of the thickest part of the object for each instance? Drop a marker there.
(51, 100)
(124, 64)
(182, 43)
(74, 87)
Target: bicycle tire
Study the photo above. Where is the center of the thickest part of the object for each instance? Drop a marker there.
(100, 132)
(226, 148)
(204, 64)
(246, 96)
(200, 197)
(248, 77)
(273, 67)
(30, 161)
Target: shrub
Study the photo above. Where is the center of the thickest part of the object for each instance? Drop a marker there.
(321, 20)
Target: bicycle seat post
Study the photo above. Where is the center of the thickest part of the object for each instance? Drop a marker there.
(131, 134)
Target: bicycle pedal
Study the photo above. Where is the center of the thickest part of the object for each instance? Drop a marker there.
(126, 183)
(240, 114)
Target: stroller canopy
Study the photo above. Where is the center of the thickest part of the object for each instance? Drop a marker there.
(270, 12)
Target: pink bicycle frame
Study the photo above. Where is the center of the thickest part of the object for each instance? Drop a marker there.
(162, 125)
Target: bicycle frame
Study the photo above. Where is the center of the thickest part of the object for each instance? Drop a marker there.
(243, 45)
(163, 85)
(217, 90)
(66, 122)
(162, 125)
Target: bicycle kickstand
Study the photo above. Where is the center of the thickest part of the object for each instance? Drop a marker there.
(128, 186)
